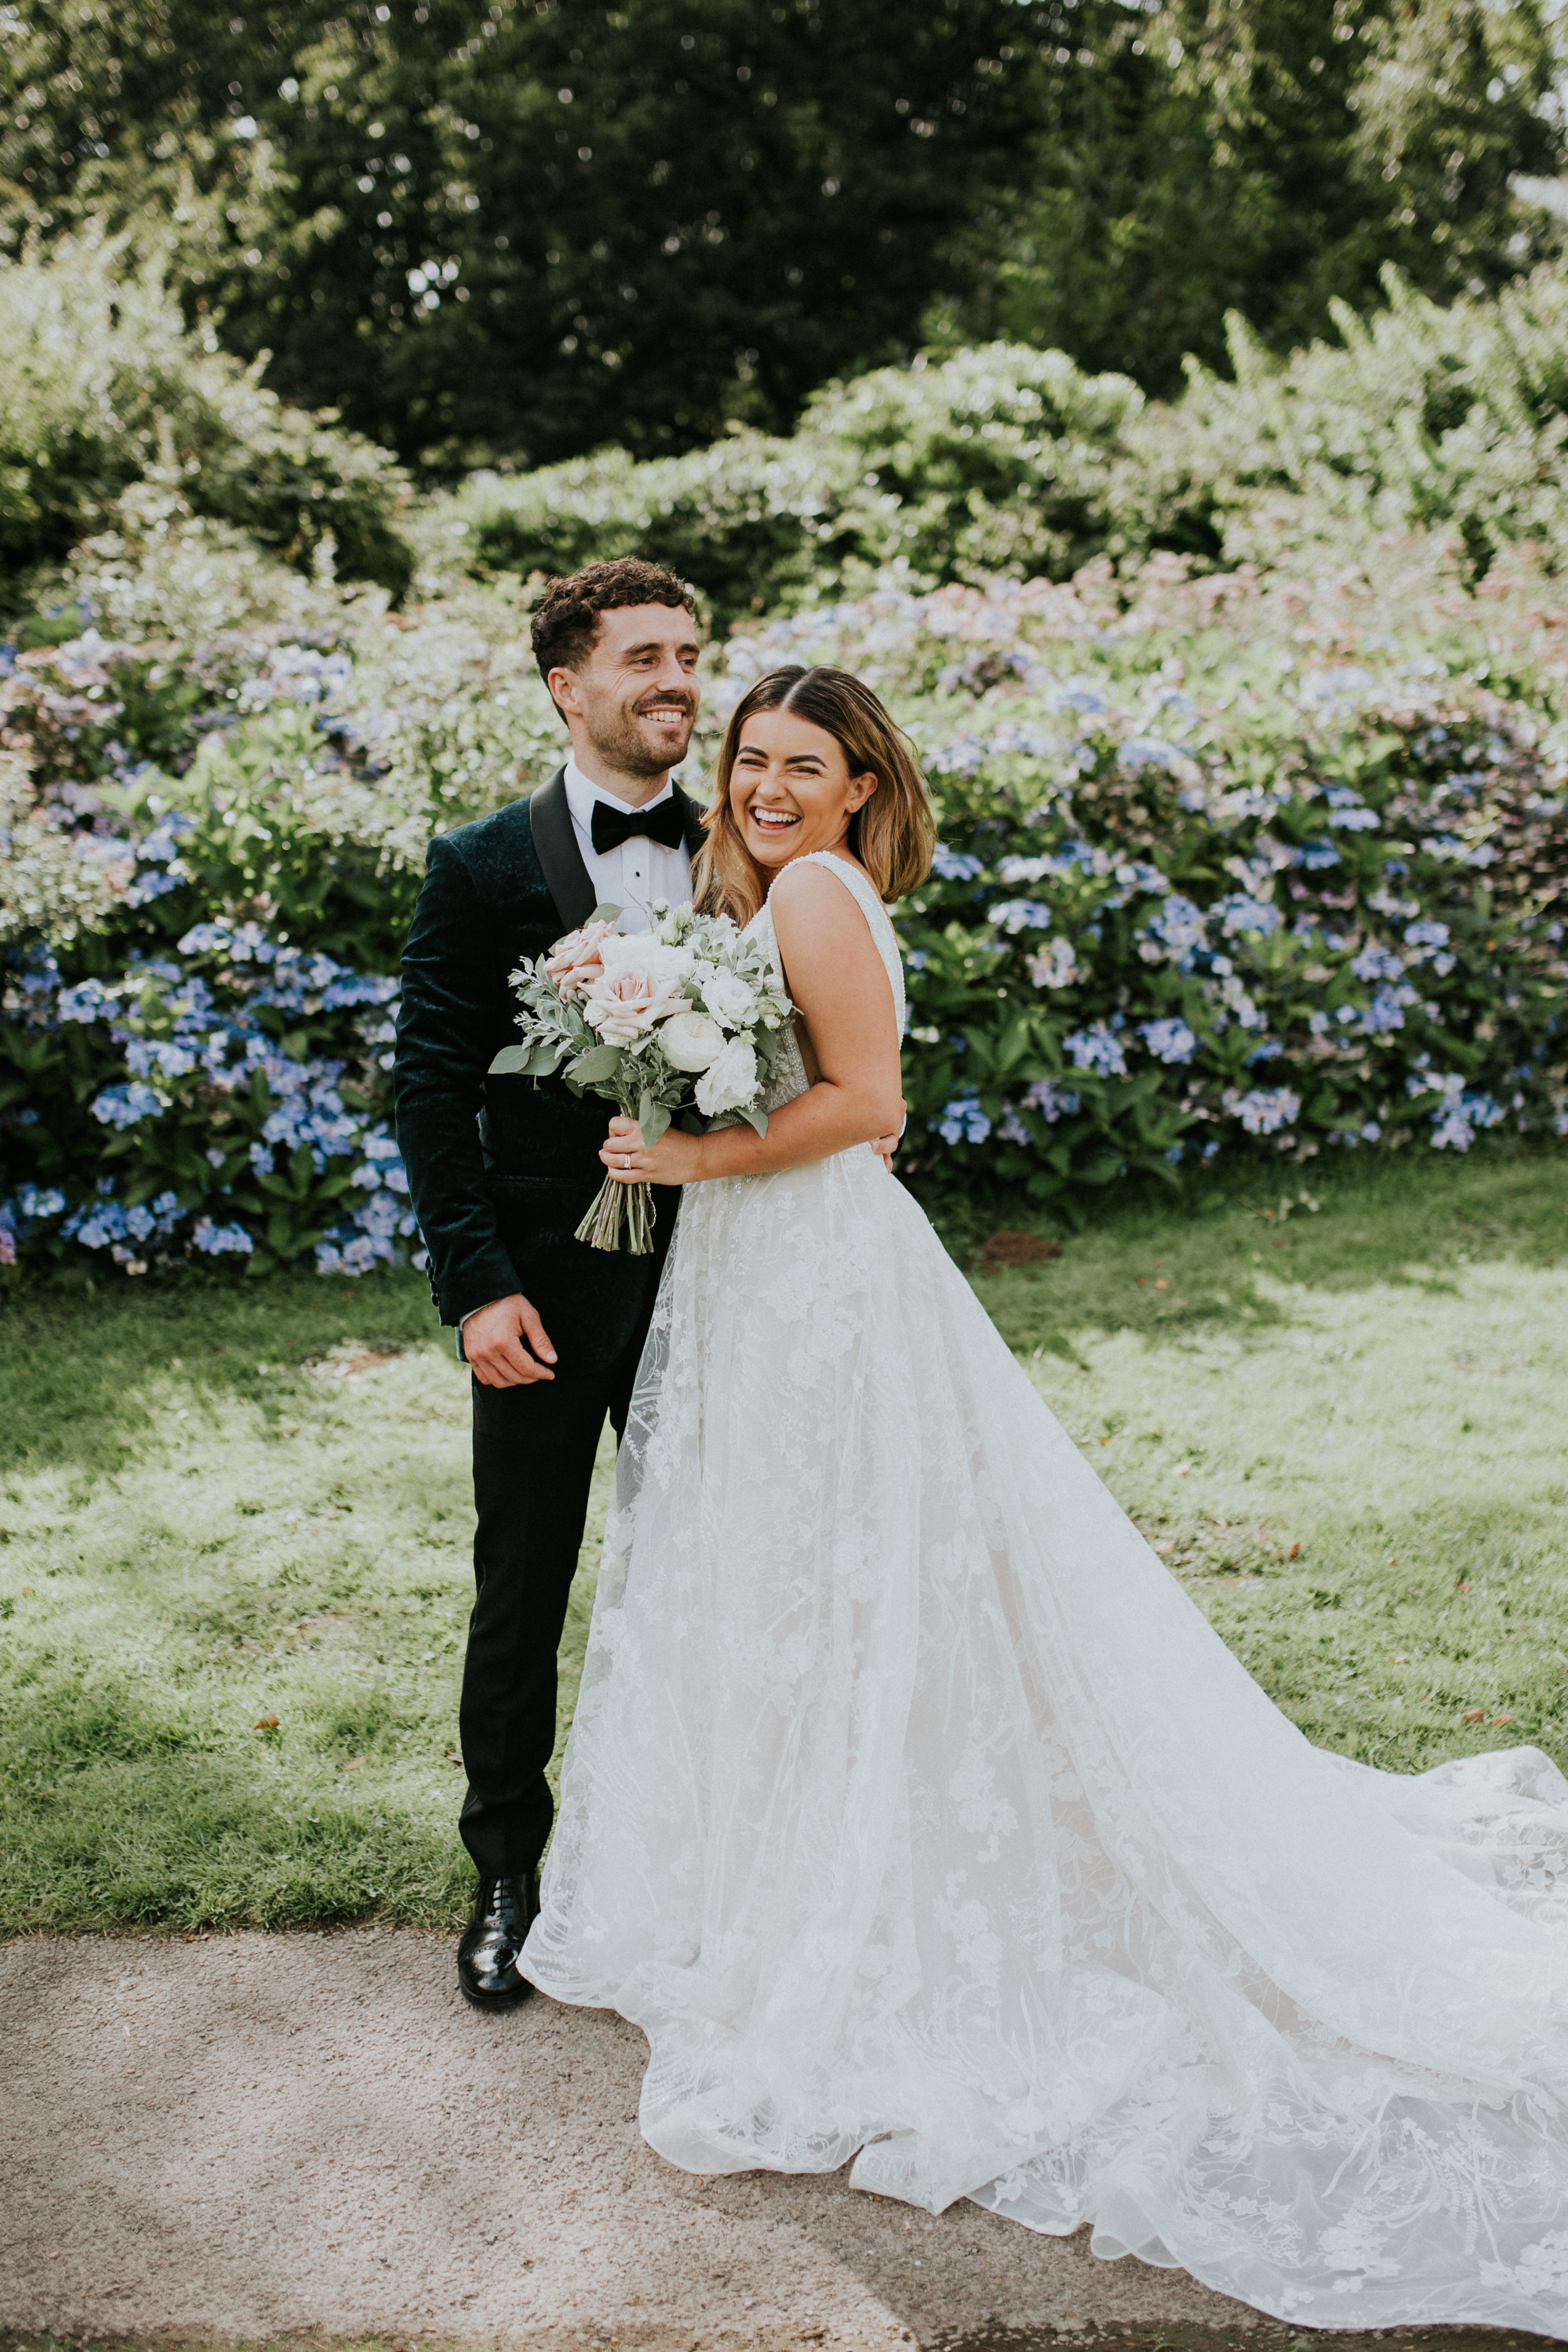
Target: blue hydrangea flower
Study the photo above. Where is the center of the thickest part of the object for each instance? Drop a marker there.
(1096, 1048)
(123, 1106)
(1243, 915)
(1015, 915)
(88, 1001)
(964, 1121)
(1460, 1112)
(35, 1205)
(1054, 1102)
(1266, 1111)
(1386, 1010)
(1179, 926)
(1169, 1041)
(96, 1226)
(954, 865)
(215, 1239)
(1377, 963)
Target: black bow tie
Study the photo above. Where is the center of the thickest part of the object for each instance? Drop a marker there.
(661, 823)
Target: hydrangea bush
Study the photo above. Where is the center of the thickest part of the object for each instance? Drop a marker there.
(1217, 870)
(213, 836)
(1233, 864)
(103, 385)
(226, 1097)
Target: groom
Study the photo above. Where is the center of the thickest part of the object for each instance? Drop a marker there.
(502, 1170)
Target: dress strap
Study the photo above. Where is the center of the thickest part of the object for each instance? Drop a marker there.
(876, 915)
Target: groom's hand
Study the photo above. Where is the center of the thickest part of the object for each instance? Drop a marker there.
(493, 1344)
(884, 1146)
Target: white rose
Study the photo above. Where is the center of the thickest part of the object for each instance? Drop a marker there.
(729, 997)
(691, 1041)
(730, 1081)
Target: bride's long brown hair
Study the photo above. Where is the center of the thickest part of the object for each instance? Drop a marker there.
(892, 834)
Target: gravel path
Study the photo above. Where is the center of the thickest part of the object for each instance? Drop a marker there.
(254, 2135)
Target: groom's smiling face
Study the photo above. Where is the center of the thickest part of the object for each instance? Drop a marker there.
(631, 702)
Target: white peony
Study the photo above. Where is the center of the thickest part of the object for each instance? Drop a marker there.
(730, 999)
(730, 1081)
(691, 1041)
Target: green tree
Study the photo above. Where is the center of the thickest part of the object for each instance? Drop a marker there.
(522, 228)
(1266, 156)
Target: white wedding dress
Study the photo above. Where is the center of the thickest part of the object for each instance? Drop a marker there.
(918, 1817)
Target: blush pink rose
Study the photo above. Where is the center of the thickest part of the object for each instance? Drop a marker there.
(576, 962)
(626, 1002)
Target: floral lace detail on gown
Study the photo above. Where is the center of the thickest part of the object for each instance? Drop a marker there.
(919, 1818)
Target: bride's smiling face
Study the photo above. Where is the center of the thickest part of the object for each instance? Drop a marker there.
(790, 791)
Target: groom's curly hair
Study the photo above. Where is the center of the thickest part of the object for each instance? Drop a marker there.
(566, 618)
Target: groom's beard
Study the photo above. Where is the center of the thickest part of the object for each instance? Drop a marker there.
(621, 744)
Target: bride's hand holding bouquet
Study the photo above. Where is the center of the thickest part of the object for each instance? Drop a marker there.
(680, 1021)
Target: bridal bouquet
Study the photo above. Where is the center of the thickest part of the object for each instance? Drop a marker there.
(682, 1020)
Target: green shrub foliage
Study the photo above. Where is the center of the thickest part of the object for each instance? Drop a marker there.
(1008, 460)
(103, 387)
(216, 824)
(1263, 856)
(1226, 864)
(1191, 898)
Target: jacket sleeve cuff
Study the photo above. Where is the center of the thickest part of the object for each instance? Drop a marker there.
(481, 1284)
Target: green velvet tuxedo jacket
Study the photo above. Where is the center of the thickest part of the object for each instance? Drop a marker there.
(502, 1170)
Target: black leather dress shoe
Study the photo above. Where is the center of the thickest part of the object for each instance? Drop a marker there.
(504, 1910)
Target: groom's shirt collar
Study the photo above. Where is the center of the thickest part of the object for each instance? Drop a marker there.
(639, 871)
(582, 792)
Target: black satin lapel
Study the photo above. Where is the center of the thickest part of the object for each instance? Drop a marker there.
(555, 845)
(691, 820)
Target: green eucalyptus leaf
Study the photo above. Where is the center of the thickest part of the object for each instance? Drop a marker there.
(599, 1062)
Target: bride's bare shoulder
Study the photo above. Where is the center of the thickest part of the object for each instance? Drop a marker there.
(824, 933)
(811, 883)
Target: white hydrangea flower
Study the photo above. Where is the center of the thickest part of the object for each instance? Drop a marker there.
(730, 1083)
(729, 997)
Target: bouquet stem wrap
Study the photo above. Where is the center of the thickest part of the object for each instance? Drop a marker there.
(620, 1216)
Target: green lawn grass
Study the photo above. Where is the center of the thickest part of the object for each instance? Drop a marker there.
(1345, 1425)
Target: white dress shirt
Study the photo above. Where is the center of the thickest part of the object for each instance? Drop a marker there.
(632, 877)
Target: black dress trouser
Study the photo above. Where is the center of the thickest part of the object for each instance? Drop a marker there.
(533, 1463)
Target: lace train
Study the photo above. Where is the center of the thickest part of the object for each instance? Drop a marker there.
(920, 1819)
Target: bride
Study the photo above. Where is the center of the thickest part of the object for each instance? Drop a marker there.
(912, 1810)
